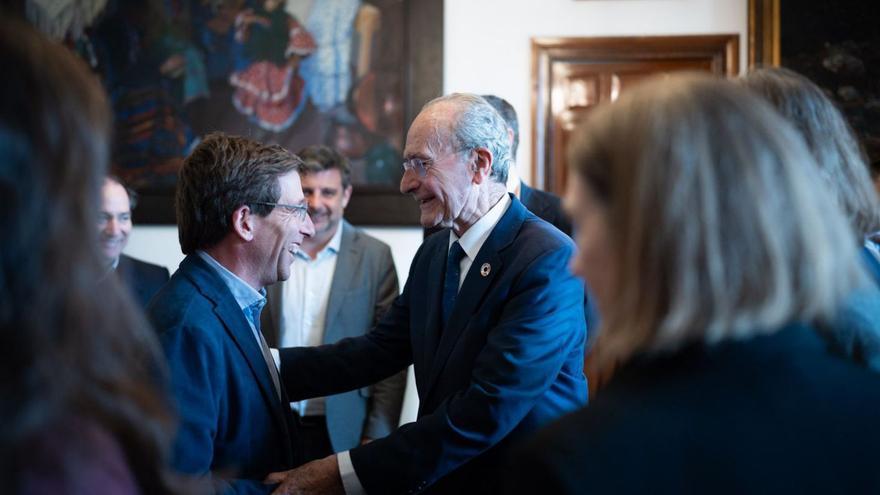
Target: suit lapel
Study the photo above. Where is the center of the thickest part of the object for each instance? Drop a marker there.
(347, 260)
(237, 327)
(475, 285)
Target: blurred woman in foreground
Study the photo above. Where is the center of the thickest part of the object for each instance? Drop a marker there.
(855, 331)
(709, 250)
(80, 413)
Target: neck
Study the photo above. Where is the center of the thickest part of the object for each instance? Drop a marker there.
(233, 259)
(313, 245)
(477, 206)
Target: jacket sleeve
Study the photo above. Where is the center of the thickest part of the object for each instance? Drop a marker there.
(196, 372)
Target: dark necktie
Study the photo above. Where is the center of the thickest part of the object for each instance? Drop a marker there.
(450, 281)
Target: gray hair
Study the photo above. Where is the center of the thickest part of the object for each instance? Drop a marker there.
(829, 138)
(718, 232)
(477, 125)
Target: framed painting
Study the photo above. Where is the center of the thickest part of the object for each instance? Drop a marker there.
(836, 45)
(347, 73)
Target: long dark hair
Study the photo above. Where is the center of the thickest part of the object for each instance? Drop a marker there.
(68, 347)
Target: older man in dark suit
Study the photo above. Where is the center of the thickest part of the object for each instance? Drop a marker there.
(490, 317)
(114, 225)
(242, 216)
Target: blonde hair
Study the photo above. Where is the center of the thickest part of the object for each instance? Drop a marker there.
(829, 139)
(719, 234)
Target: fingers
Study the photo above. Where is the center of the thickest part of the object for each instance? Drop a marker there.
(276, 477)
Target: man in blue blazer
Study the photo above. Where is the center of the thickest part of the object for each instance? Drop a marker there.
(241, 216)
(490, 316)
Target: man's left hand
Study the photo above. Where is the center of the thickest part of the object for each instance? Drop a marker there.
(316, 477)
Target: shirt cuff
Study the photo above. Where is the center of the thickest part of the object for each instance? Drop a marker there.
(276, 356)
(350, 481)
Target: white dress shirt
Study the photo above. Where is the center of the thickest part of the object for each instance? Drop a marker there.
(471, 243)
(304, 298)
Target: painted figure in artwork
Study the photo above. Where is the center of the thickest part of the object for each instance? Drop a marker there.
(269, 89)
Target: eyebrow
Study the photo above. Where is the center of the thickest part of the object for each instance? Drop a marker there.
(417, 154)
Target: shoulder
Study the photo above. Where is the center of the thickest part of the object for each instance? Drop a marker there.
(179, 304)
(365, 242)
(144, 268)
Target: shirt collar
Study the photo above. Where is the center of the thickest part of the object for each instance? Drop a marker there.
(332, 247)
(245, 295)
(476, 235)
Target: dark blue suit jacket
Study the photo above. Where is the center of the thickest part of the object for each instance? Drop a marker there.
(509, 361)
(233, 427)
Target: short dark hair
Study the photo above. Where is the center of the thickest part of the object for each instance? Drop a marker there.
(507, 112)
(318, 158)
(221, 174)
(132, 194)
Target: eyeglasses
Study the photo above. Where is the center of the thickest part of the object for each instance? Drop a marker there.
(418, 165)
(421, 165)
(300, 211)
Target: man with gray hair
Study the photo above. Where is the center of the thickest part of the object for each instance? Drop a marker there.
(497, 350)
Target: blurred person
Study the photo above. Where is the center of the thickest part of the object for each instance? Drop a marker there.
(241, 216)
(114, 225)
(81, 412)
(490, 318)
(341, 283)
(709, 251)
(841, 166)
(542, 203)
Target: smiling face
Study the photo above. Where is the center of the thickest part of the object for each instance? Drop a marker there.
(114, 220)
(594, 261)
(444, 191)
(278, 235)
(327, 200)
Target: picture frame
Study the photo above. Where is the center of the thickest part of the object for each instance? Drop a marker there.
(835, 45)
(415, 78)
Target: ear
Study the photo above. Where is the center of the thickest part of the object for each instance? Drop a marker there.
(243, 223)
(346, 195)
(481, 165)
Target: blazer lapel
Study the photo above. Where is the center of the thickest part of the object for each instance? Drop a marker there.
(476, 285)
(347, 260)
(237, 327)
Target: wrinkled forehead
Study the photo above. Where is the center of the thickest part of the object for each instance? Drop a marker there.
(290, 186)
(114, 197)
(431, 133)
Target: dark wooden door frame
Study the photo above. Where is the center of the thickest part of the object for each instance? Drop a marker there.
(721, 49)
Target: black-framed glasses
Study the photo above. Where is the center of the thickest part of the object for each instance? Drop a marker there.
(417, 165)
(300, 211)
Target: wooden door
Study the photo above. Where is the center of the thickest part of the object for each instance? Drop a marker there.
(572, 75)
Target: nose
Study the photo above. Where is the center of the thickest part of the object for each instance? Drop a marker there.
(313, 201)
(307, 228)
(409, 182)
(111, 228)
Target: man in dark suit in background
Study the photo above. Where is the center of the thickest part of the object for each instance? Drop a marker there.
(340, 285)
(544, 204)
(241, 216)
(491, 318)
(114, 225)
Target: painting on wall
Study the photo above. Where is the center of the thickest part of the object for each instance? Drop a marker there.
(294, 73)
(836, 45)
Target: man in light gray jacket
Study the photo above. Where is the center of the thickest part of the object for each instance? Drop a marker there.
(341, 283)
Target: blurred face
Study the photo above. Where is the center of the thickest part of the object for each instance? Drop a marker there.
(327, 200)
(594, 260)
(278, 235)
(444, 190)
(114, 220)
